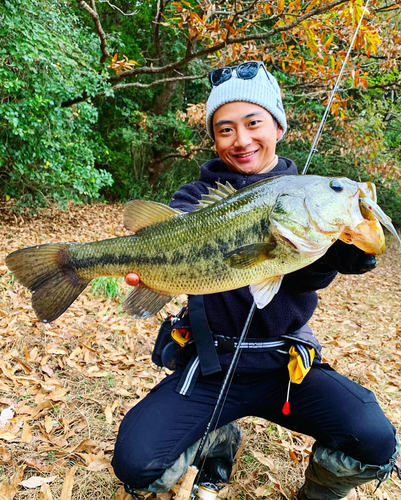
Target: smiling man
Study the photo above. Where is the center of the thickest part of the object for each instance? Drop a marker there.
(246, 135)
(159, 436)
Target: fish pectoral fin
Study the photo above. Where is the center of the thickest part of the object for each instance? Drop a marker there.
(250, 255)
(143, 302)
(141, 213)
(302, 245)
(263, 291)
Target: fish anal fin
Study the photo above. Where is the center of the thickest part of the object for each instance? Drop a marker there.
(250, 255)
(263, 291)
(143, 302)
(141, 213)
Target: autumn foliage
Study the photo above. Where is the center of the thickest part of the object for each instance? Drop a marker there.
(304, 43)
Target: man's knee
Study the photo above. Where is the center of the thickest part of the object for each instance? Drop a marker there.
(373, 439)
(135, 467)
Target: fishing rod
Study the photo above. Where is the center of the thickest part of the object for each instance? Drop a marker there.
(193, 469)
(188, 485)
(313, 149)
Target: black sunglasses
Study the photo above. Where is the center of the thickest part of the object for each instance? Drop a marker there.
(245, 71)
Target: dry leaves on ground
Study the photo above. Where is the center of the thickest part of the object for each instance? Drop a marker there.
(65, 387)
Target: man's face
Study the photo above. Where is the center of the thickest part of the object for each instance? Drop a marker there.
(245, 136)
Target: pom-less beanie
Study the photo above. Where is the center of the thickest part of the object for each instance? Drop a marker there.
(263, 90)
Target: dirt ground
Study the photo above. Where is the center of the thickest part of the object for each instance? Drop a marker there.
(65, 386)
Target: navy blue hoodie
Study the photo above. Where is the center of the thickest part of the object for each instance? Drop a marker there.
(227, 312)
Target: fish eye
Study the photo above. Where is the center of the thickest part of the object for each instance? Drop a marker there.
(336, 186)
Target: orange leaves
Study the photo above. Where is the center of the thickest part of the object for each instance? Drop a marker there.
(121, 65)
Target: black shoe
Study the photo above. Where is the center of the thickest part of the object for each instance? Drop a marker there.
(216, 471)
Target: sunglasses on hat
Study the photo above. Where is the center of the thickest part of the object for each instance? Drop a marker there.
(245, 71)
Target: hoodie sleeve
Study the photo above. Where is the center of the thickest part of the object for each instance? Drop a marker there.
(313, 277)
(187, 197)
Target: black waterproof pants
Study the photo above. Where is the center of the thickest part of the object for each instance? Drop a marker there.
(334, 410)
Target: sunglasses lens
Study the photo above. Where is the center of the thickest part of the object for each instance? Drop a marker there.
(220, 76)
(248, 70)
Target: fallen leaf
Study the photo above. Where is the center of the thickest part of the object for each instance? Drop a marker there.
(26, 433)
(109, 414)
(264, 491)
(263, 459)
(36, 481)
(6, 415)
(45, 492)
(48, 424)
(121, 494)
(8, 490)
(68, 484)
(5, 456)
(7, 436)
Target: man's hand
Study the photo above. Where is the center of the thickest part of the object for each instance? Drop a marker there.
(132, 279)
(348, 259)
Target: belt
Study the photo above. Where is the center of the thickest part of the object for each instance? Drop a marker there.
(227, 344)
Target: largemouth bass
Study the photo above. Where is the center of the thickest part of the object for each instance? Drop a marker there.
(252, 236)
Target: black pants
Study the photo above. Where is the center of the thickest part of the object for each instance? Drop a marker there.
(337, 412)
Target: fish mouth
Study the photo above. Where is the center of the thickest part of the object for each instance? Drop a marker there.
(367, 233)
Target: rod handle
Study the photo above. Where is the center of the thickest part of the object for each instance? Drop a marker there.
(185, 491)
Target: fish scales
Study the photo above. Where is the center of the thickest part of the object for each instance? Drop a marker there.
(187, 252)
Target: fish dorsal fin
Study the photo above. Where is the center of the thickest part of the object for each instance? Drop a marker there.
(141, 213)
(214, 195)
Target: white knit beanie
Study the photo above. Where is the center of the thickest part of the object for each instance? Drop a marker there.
(263, 90)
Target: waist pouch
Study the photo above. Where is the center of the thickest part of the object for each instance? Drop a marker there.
(168, 344)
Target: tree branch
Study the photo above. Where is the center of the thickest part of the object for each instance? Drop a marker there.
(184, 155)
(189, 56)
(160, 8)
(388, 7)
(157, 82)
(117, 8)
(101, 34)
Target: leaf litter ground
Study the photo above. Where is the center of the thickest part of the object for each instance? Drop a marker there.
(65, 387)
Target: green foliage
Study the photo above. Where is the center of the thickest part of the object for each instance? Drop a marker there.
(106, 287)
(47, 152)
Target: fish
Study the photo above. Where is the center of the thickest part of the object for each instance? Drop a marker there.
(233, 238)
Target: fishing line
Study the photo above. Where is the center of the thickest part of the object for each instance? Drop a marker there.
(313, 149)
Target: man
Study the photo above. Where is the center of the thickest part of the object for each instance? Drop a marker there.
(158, 438)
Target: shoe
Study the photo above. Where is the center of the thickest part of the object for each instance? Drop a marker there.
(302, 495)
(216, 471)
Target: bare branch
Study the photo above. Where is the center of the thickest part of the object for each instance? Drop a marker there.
(156, 82)
(101, 34)
(117, 8)
(160, 9)
(389, 7)
(183, 155)
(75, 100)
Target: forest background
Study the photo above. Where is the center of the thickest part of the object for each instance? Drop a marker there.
(106, 101)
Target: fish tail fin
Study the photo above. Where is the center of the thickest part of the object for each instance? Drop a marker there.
(47, 271)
